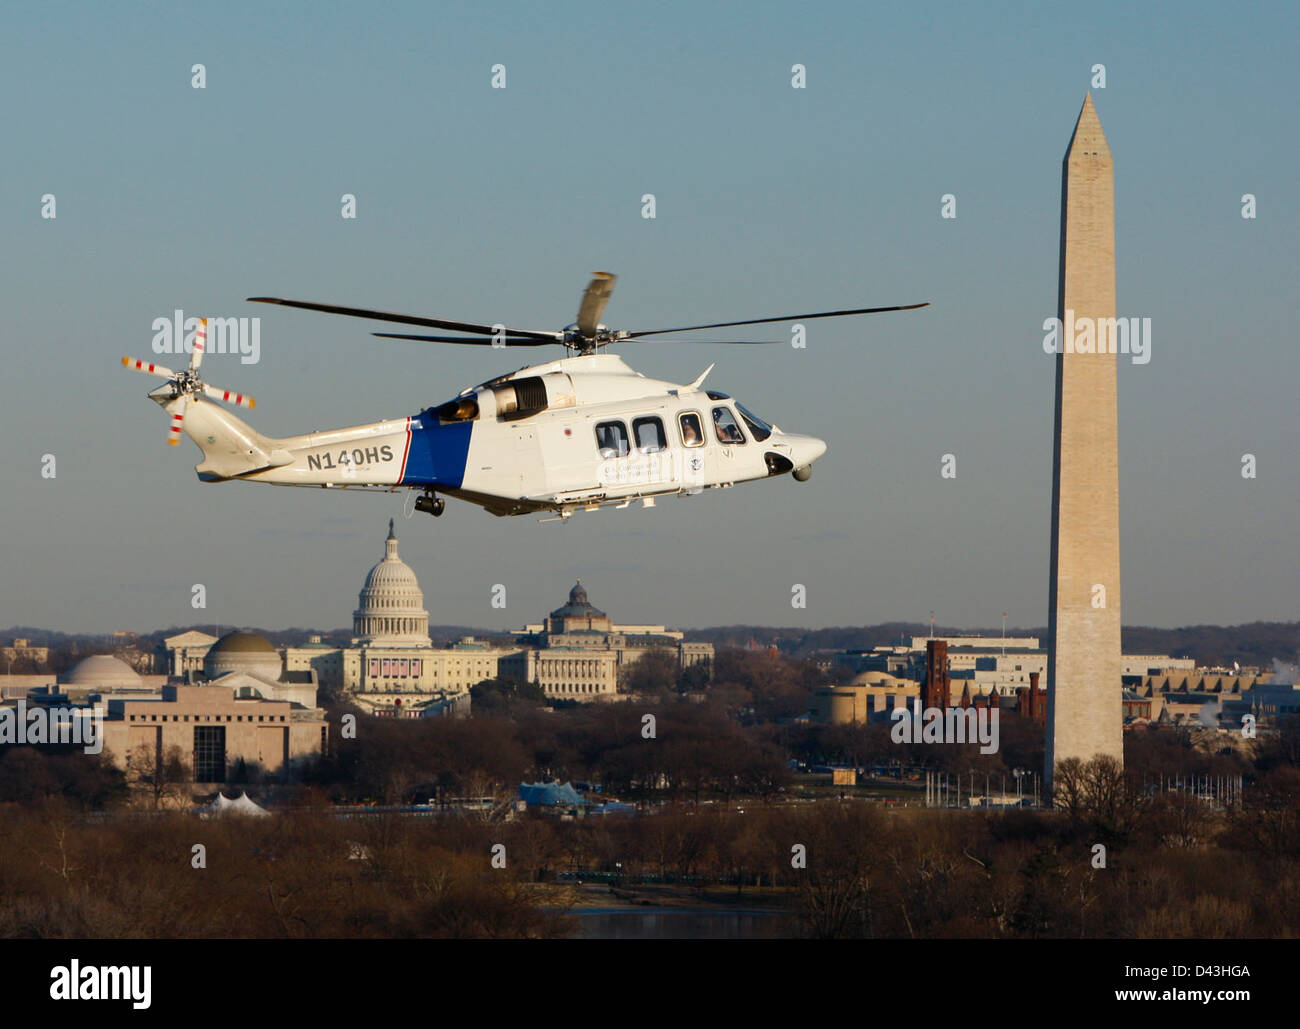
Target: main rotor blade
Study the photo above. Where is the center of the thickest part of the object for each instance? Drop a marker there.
(508, 341)
(407, 319)
(594, 301)
(783, 318)
(709, 342)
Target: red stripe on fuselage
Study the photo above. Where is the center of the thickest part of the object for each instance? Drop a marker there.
(406, 452)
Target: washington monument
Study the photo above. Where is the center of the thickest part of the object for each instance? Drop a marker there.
(1084, 700)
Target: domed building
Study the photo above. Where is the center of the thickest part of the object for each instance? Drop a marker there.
(391, 665)
(880, 680)
(240, 722)
(578, 615)
(391, 611)
(868, 697)
(579, 652)
(102, 671)
(245, 652)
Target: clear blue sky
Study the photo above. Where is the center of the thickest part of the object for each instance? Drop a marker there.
(495, 205)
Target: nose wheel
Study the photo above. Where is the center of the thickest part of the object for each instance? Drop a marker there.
(431, 504)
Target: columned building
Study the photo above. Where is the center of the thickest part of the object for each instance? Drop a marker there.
(566, 674)
(179, 655)
(390, 665)
(578, 652)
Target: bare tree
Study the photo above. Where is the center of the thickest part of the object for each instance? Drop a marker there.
(1100, 796)
(163, 778)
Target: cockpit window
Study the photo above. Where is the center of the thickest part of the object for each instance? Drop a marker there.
(611, 439)
(649, 435)
(724, 422)
(692, 433)
(758, 428)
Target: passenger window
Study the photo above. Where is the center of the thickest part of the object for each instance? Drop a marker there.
(649, 435)
(611, 439)
(725, 424)
(692, 433)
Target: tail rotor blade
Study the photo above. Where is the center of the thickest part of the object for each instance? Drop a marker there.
(238, 399)
(147, 368)
(178, 420)
(200, 345)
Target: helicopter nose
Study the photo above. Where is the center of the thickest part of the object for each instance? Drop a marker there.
(806, 449)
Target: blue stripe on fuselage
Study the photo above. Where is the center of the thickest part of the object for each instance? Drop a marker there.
(438, 452)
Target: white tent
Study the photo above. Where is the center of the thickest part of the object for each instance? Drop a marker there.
(241, 805)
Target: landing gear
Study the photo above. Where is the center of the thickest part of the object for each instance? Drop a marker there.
(430, 504)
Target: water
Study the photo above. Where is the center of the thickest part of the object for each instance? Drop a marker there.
(679, 924)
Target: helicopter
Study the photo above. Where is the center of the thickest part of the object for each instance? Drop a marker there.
(579, 433)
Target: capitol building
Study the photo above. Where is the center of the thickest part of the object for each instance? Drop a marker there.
(391, 663)
(391, 667)
(391, 609)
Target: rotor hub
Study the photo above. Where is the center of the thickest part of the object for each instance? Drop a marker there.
(575, 339)
(188, 382)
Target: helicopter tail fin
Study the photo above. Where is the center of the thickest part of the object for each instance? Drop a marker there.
(231, 448)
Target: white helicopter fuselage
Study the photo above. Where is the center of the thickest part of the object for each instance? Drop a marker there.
(576, 433)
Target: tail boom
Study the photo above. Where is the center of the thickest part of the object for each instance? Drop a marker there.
(362, 455)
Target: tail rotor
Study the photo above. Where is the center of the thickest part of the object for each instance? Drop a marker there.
(200, 345)
(186, 385)
(178, 420)
(238, 399)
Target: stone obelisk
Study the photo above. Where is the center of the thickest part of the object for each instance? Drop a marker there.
(1085, 672)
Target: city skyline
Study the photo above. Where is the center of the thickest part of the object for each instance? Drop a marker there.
(522, 612)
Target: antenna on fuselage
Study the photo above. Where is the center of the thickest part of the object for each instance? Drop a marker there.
(703, 375)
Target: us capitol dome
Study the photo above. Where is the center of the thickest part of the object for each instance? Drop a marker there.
(391, 611)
